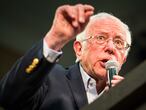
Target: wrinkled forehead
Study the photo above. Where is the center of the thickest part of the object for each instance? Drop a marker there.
(106, 25)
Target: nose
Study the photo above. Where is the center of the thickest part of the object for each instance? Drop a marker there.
(110, 47)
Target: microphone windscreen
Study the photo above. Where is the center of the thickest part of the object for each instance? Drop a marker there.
(112, 64)
(112, 68)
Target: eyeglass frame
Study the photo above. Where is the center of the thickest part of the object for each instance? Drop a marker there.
(125, 47)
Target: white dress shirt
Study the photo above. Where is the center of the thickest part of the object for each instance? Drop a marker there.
(50, 54)
(90, 86)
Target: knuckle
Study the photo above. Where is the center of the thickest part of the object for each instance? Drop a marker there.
(79, 4)
(63, 7)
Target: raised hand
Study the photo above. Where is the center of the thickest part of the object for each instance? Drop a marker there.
(68, 22)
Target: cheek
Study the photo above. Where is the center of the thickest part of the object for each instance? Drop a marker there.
(90, 56)
(94, 55)
(121, 58)
(94, 58)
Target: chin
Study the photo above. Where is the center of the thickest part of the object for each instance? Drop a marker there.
(101, 74)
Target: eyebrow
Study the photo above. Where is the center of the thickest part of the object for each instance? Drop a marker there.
(117, 36)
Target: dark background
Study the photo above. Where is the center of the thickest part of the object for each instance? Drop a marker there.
(25, 22)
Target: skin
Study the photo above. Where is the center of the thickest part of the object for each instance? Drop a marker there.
(73, 19)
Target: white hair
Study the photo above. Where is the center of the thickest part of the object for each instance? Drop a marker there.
(101, 15)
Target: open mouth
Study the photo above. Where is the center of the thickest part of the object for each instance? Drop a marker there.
(102, 62)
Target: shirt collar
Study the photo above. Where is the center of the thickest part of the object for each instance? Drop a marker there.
(87, 80)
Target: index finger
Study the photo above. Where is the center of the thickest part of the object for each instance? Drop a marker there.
(89, 7)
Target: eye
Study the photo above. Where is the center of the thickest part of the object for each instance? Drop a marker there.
(119, 43)
(100, 38)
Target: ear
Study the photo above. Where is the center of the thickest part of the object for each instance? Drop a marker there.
(77, 48)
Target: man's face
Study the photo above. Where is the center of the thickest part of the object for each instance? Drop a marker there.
(94, 56)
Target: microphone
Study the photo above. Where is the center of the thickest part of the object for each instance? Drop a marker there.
(112, 68)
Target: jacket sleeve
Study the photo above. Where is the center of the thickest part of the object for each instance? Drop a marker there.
(25, 79)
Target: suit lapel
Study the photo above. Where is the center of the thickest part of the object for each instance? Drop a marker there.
(77, 86)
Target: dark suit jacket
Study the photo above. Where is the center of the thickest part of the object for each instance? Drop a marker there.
(48, 87)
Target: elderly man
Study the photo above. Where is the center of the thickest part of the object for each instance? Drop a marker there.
(37, 82)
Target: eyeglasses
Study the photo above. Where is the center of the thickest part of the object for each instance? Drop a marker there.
(119, 43)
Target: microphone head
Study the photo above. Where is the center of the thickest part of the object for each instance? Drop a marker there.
(112, 64)
(112, 68)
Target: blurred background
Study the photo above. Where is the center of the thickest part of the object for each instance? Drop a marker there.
(25, 22)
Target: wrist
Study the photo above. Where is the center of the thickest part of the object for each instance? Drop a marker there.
(55, 40)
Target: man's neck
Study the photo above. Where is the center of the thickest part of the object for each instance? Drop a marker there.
(100, 86)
